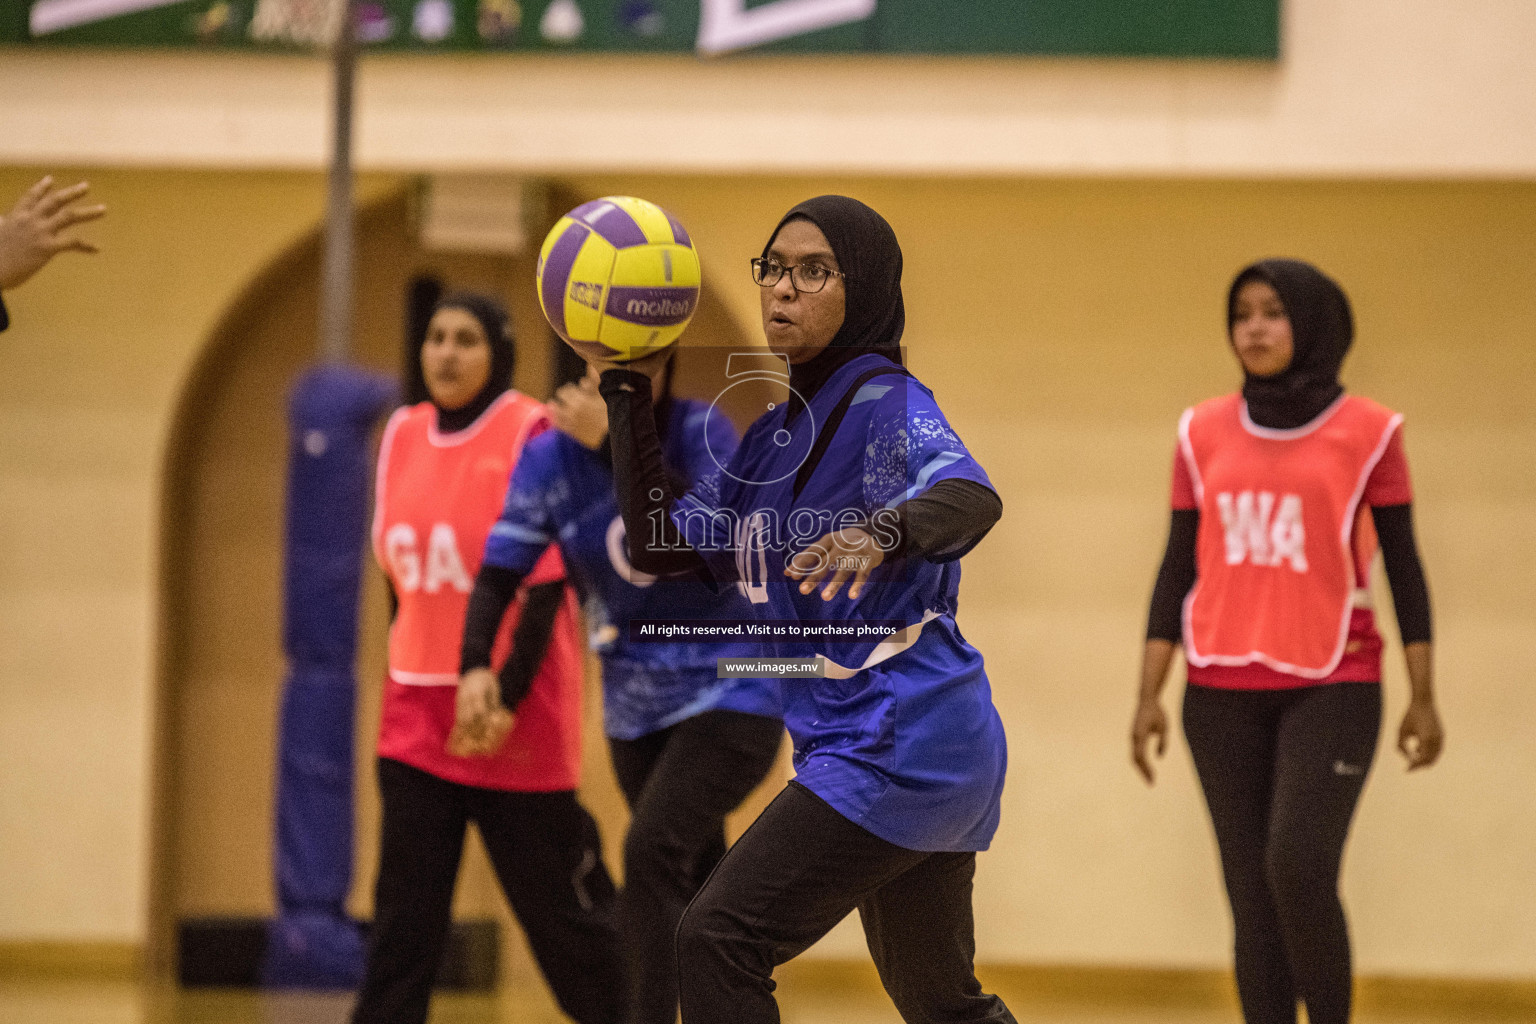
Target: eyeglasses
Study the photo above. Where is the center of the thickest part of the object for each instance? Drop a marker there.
(806, 277)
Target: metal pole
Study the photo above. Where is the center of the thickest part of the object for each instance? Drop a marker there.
(336, 280)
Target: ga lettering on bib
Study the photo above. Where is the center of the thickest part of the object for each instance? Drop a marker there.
(437, 498)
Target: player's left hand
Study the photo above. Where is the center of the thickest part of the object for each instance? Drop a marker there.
(841, 554)
(33, 232)
(481, 722)
(1421, 737)
(579, 411)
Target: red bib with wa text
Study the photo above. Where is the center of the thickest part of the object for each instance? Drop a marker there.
(1277, 574)
(438, 495)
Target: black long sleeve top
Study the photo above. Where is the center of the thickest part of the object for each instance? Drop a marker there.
(495, 588)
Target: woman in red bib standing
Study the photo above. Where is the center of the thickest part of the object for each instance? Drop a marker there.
(442, 477)
(1280, 494)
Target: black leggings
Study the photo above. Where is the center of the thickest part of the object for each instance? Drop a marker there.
(799, 870)
(1282, 772)
(547, 855)
(680, 783)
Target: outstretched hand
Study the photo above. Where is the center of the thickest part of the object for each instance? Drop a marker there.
(481, 722)
(34, 231)
(842, 554)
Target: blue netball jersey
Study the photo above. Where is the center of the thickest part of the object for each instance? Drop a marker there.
(901, 737)
(562, 492)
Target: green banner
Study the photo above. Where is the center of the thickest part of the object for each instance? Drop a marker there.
(1140, 28)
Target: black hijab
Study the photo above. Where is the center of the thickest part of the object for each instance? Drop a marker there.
(1322, 328)
(493, 319)
(874, 316)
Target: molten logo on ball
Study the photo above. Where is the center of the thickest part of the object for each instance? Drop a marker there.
(654, 307)
(661, 308)
(618, 278)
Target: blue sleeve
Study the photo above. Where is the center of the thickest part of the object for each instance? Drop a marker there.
(910, 447)
(700, 520)
(700, 516)
(712, 441)
(526, 526)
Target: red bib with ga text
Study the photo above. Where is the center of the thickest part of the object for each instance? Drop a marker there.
(438, 495)
(1277, 573)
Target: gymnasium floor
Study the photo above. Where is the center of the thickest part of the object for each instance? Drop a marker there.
(55, 1001)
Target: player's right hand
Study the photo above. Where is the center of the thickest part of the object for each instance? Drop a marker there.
(481, 722)
(1150, 721)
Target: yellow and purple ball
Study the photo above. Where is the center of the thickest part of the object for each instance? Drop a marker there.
(618, 278)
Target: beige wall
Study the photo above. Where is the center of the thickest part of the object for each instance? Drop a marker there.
(1063, 325)
(1365, 87)
(94, 363)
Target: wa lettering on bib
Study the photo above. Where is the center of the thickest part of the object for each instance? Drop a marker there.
(1276, 570)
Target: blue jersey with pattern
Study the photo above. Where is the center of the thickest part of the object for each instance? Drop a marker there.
(562, 492)
(902, 737)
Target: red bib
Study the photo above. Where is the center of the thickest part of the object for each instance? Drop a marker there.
(437, 497)
(1277, 571)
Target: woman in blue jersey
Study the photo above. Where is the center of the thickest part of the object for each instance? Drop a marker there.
(856, 480)
(687, 747)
